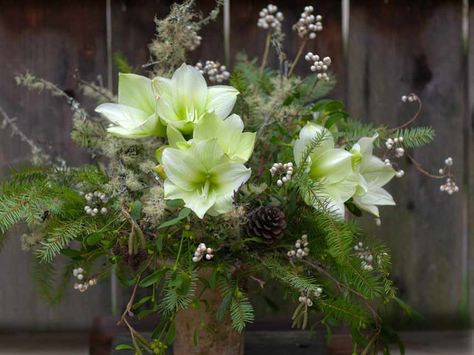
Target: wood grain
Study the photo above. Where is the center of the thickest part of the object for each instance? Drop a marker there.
(50, 39)
(469, 170)
(397, 47)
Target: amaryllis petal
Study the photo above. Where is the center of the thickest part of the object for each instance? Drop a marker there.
(221, 100)
(136, 91)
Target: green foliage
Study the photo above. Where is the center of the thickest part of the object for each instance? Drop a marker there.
(235, 302)
(122, 63)
(344, 311)
(241, 312)
(45, 277)
(289, 277)
(416, 136)
(58, 234)
(178, 292)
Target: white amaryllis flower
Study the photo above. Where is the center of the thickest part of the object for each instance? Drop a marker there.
(184, 99)
(134, 116)
(372, 174)
(330, 166)
(203, 177)
(235, 143)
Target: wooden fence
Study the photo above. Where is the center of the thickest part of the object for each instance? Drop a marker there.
(393, 47)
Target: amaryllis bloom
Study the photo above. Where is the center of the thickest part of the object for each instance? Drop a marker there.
(203, 177)
(372, 174)
(184, 99)
(134, 116)
(235, 143)
(331, 167)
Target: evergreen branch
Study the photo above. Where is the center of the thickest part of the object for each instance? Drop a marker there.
(44, 276)
(178, 295)
(345, 311)
(38, 154)
(416, 136)
(309, 149)
(58, 235)
(241, 312)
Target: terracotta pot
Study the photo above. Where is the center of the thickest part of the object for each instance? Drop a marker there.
(199, 332)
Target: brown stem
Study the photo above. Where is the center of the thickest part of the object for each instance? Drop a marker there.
(297, 58)
(321, 269)
(413, 119)
(310, 92)
(418, 167)
(266, 51)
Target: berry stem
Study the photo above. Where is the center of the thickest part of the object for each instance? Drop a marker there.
(297, 58)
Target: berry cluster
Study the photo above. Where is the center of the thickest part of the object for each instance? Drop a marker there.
(394, 145)
(283, 171)
(83, 285)
(300, 249)
(308, 24)
(366, 257)
(95, 203)
(195, 39)
(319, 66)
(270, 18)
(410, 98)
(450, 186)
(216, 72)
(201, 252)
(305, 299)
(157, 347)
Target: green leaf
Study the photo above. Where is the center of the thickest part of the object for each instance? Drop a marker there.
(136, 210)
(175, 203)
(171, 334)
(141, 302)
(159, 243)
(153, 278)
(182, 215)
(94, 238)
(124, 347)
(71, 253)
(145, 313)
(333, 118)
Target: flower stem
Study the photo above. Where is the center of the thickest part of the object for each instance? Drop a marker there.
(265, 53)
(297, 58)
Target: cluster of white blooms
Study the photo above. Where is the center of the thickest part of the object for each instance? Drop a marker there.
(96, 203)
(319, 65)
(300, 249)
(283, 171)
(216, 72)
(305, 299)
(308, 24)
(270, 18)
(366, 257)
(450, 186)
(201, 252)
(395, 146)
(82, 285)
(410, 98)
(195, 38)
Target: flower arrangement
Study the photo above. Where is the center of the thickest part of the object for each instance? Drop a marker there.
(196, 187)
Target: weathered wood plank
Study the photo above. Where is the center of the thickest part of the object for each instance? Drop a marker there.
(397, 47)
(262, 342)
(469, 125)
(50, 39)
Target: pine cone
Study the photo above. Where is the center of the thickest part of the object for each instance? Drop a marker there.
(268, 223)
